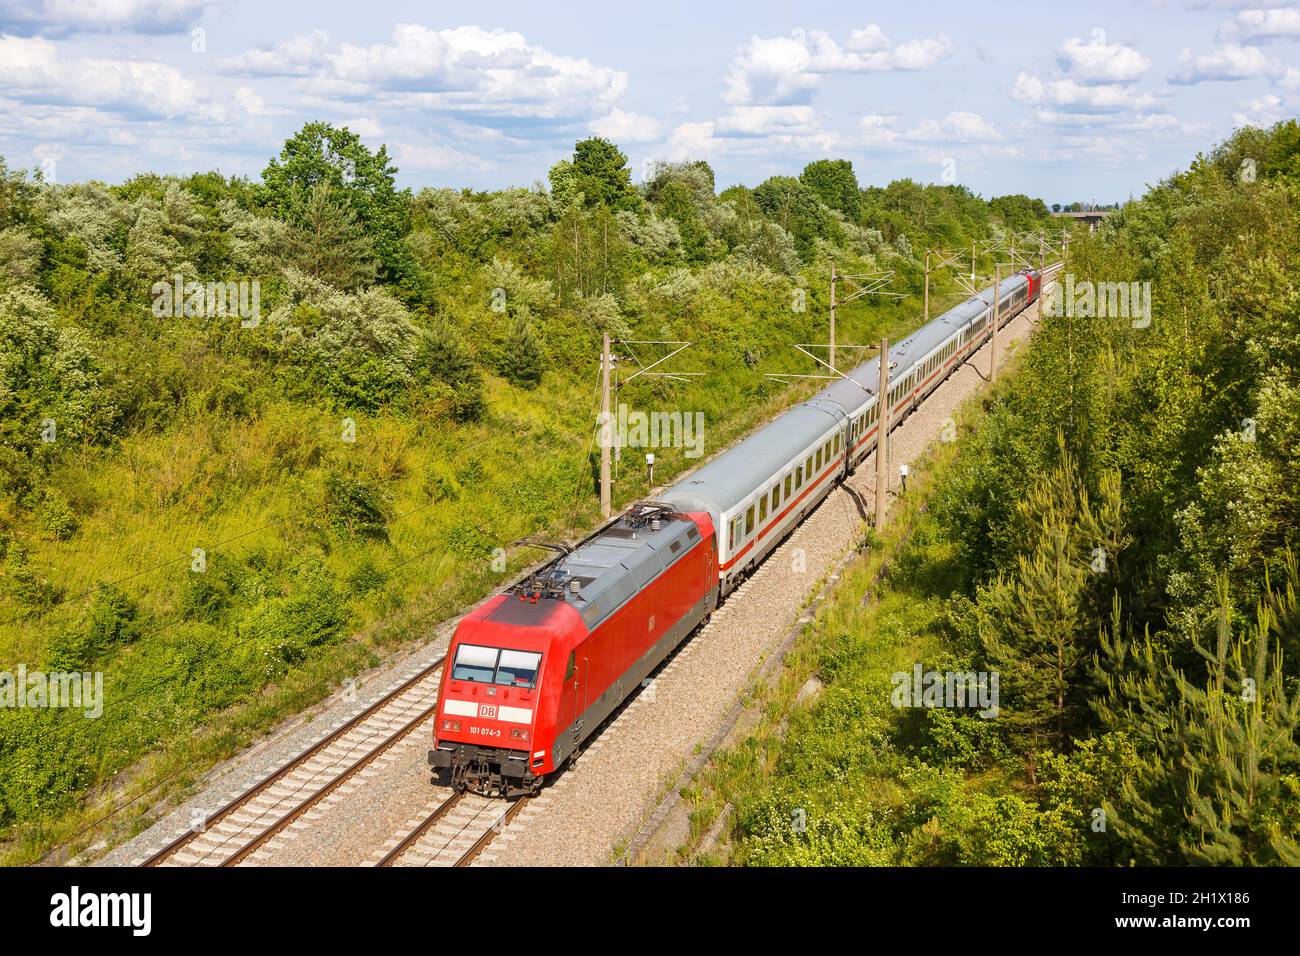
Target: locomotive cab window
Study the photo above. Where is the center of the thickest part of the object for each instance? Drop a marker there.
(572, 666)
(518, 668)
(493, 665)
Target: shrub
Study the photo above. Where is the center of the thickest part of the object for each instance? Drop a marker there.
(110, 621)
(355, 508)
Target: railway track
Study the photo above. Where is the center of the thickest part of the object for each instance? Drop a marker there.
(239, 829)
(454, 834)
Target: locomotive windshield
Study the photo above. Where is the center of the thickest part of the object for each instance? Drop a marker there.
(494, 665)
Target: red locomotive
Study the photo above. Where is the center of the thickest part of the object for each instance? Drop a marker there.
(534, 671)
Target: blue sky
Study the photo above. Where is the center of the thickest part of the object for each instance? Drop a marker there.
(1065, 102)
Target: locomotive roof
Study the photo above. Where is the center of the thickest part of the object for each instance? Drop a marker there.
(619, 561)
(735, 474)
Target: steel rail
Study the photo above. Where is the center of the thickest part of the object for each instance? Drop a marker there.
(252, 793)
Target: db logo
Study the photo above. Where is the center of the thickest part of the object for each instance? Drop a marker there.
(487, 710)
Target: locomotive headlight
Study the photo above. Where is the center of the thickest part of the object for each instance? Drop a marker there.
(518, 733)
(451, 725)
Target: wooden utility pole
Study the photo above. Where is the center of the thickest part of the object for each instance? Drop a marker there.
(606, 429)
(882, 437)
(993, 345)
(927, 287)
(832, 361)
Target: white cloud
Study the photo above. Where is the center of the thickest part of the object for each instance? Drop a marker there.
(50, 151)
(877, 130)
(1143, 122)
(1094, 150)
(783, 71)
(435, 158)
(1065, 93)
(1097, 61)
(464, 70)
(744, 121)
(692, 141)
(77, 16)
(773, 71)
(1093, 88)
(1260, 26)
(1262, 111)
(621, 126)
(1232, 62)
(298, 56)
(754, 131)
(365, 126)
(32, 70)
(959, 127)
(253, 104)
(867, 40)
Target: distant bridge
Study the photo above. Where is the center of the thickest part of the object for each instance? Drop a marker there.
(1091, 216)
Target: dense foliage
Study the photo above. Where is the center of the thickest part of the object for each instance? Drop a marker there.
(1116, 542)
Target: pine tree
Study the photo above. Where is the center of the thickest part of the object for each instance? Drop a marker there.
(1037, 622)
(445, 359)
(329, 243)
(1220, 780)
(521, 363)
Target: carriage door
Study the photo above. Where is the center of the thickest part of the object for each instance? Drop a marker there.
(711, 577)
(573, 681)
